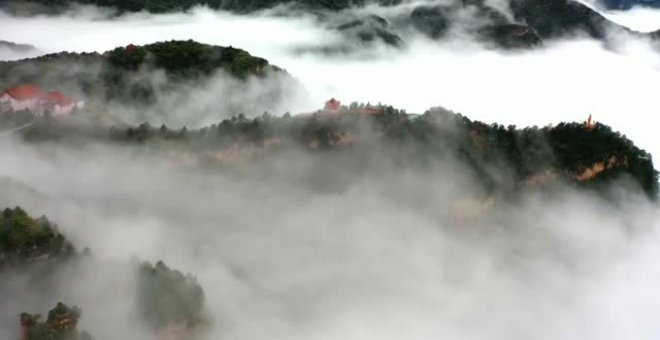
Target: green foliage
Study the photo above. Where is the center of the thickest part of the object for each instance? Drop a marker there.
(61, 324)
(167, 296)
(125, 73)
(568, 149)
(187, 59)
(25, 239)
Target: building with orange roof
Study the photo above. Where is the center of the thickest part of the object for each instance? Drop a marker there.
(24, 97)
(29, 97)
(56, 104)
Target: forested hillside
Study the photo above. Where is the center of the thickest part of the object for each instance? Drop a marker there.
(127, 74)
(25, 240)
(166, 298)
(504, 159)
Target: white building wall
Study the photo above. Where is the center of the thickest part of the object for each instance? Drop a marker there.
(19, 105)
(5, 103)
(63, 110)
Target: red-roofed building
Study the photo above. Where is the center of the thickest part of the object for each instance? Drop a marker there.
(56, 104)
(29, 97)
(24, 97)
(332, 105)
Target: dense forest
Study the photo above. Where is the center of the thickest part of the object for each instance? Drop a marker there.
(570, 151)
(61, 324)
(122, 74)
(25, 240)
(165, 297)
(590, 156)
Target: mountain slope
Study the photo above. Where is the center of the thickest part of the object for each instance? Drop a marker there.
(554, 18)
(157, 80)
(504, 160)
(531, 22)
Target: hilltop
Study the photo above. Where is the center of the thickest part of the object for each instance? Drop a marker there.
(505, 160)
(170, 81)
(126, 73)
(25, 240)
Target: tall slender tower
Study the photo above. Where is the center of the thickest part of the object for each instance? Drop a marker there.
(589, 123)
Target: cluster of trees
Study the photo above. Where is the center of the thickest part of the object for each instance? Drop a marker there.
(319, 127)
(124, 74)
(188, 59)
(24, 239)
(185, 62)
(167, 296)
(61, 324)
(164, 296)
(567, 149)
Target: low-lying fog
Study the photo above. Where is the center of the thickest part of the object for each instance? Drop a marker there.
(297, 249)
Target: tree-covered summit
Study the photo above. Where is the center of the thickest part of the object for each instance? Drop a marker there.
(185, 60)
(188, 59)
(61, 324)
(131, 74)
(24, 239)
(168, 298)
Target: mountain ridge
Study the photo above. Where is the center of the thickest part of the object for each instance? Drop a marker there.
(544, 19)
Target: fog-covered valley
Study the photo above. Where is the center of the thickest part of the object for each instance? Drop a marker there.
(295, 249)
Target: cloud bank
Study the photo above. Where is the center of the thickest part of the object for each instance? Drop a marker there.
(348, 245)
